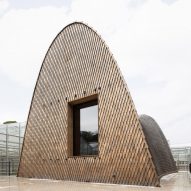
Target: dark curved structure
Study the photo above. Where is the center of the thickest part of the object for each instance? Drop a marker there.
(158, 146)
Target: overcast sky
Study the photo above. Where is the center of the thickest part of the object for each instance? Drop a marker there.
(150, 39)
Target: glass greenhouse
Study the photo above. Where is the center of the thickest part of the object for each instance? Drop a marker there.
(11, 139)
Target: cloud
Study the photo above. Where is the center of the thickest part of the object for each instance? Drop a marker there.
(25, 36)
(135, 3)
(4, 4)
(158, 54)
(150, 40)
(169, 2)
(23, 4)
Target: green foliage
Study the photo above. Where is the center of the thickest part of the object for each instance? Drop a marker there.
(89, 136)
(8, 122)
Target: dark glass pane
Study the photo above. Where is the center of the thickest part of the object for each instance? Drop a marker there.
(89, 130)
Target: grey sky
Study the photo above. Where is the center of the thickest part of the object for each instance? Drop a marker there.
(23, 4)
(169, 2)
(89, 119)
(150, 40)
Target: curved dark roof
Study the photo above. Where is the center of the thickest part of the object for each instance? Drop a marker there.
(158, 146)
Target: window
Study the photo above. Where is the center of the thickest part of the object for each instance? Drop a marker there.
(83, 120)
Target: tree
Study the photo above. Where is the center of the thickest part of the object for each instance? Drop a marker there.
(8, 122)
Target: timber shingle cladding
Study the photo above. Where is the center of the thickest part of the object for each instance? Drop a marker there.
(158, 146)
(79, 61)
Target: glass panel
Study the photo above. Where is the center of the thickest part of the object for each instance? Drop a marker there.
(89, 130)
(13, 129)
(10, 147)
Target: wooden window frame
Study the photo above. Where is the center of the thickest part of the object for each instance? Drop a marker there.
(74, 123)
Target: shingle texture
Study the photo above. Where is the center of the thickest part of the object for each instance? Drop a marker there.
(158, 146)
(79, 61)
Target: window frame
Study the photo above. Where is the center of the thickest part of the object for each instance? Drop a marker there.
(73, 126)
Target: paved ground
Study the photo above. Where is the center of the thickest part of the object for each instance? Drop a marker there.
(175, 182)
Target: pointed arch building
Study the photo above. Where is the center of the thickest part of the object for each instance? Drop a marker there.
(80, 72)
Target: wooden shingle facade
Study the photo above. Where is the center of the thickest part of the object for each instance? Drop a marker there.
(79, 67)
(158, 146)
